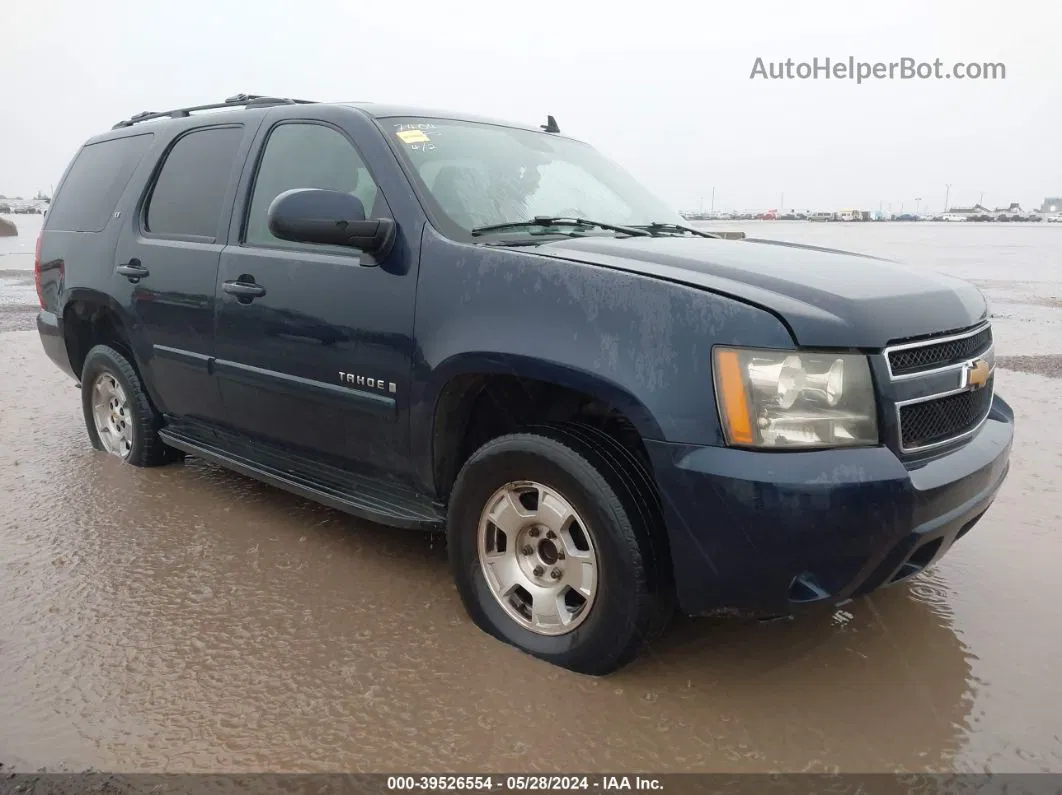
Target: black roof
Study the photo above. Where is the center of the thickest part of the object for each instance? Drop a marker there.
(372, 109)
(235, 101)
(382, 111)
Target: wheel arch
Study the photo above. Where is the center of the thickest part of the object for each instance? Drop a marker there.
(449, 406)
(91, 318)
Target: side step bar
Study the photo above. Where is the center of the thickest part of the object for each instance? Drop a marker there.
(374, 499)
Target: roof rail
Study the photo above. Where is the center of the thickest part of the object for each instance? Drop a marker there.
(236, 101)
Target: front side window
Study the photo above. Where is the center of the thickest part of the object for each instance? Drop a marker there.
(190, 190)
(306, 155)
(483, 174)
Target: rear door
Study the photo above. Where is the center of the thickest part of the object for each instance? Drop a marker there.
(167, 259)
(319, 361)
(81, 230)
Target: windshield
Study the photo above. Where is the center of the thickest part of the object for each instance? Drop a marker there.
(480, 175)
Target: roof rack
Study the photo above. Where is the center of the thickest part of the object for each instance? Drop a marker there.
(236, 101)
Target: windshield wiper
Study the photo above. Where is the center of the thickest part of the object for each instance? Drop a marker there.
(656, 227)
(550, 220)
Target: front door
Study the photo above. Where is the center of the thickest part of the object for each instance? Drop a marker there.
(167, 260)
(314, 343)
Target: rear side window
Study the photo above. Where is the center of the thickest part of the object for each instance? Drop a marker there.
(92, 188)
(187, 197)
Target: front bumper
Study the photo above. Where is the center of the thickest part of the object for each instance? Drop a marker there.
(767, 534)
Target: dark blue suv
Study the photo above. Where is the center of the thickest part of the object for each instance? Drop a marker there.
(455, 324)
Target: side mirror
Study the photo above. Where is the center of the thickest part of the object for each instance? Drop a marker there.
(329, 217)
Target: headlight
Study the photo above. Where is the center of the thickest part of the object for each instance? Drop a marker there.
(789, 400)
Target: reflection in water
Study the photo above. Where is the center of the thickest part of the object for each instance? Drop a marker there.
(882, 683)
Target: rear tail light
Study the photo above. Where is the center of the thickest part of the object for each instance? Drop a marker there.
(37, 270)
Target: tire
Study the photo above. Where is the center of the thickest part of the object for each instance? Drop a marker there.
(119, 381)
(642, 496)
(613, 525)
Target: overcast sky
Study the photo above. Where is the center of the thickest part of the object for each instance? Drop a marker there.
(663, 87)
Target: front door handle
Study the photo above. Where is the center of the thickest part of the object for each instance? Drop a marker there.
(243, 290)
(132, 270)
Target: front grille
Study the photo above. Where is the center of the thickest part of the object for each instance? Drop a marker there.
(932, 355)
(933, 421)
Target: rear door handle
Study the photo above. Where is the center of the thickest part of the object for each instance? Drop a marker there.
(132, 270)
(247, 290)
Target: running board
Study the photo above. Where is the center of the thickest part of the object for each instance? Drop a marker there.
(377, 500)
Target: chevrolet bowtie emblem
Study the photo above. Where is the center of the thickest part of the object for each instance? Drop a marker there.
(976, 373)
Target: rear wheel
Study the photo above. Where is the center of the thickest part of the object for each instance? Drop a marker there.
(553, 551)
(118, 414)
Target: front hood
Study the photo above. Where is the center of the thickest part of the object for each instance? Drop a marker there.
(828, 298)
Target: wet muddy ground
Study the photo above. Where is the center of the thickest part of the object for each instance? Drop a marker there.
(18, 299)
(189, 619)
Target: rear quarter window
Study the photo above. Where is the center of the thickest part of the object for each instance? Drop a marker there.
(99, 174)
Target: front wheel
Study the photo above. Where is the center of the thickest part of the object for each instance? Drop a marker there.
(552, 545)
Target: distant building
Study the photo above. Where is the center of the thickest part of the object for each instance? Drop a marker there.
(19, 206)
(965, 213)
(1052, 205)
(1012, 210)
